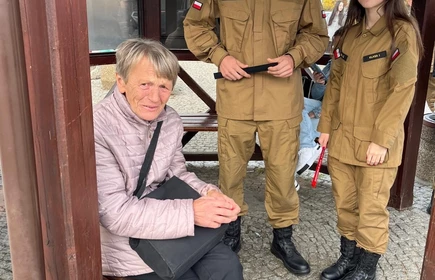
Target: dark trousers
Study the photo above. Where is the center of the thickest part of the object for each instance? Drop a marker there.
(220, 263)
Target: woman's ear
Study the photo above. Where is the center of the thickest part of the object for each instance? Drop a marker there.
(120, 83)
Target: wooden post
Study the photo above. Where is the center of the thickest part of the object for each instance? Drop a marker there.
(428, 270)
(426, 11)
(402, 190)
(57, 62)
(16, 150)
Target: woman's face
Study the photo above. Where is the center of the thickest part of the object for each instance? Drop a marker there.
(371, 4)
(146, 93)
(340, 6)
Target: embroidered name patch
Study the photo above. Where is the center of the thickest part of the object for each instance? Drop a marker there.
(396, 53)
(197, 5)
(338, 53)
(374, 56)
(344, 56)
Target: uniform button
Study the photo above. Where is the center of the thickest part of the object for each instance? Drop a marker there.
(364, 35)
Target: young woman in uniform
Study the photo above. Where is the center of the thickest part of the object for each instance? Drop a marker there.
(366, 101)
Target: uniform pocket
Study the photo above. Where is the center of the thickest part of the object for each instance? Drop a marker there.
(223, 138)
(334, 139)
(233, 27)
(375, 80)
(362, 141)
(284, 28)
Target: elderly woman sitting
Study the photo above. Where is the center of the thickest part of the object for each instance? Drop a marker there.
(124, 124)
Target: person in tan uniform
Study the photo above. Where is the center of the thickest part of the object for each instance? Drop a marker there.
(292, 34)
(368, 96)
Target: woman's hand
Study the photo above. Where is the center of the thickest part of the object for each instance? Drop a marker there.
(323, 139)
(376, 154)
(214, 209)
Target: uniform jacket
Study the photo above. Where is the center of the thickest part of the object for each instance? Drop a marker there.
(370, 92)
(253, 31)
(121, 141)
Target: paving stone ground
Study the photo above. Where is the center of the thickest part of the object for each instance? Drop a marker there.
(315, 236)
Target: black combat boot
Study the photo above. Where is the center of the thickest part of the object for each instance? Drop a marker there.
(232, 235)
(366, 268)
(347, 262)
(284, 249)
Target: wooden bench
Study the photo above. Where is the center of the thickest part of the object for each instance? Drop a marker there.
(200, 122)
(205, 122)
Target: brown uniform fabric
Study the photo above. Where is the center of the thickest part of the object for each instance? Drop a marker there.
(361, 196)
(279, 144)
(252, 31)
(367, 97)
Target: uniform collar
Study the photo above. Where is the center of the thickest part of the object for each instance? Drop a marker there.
(376, 29)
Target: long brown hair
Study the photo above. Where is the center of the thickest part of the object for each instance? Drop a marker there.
(334, 13)
(394, 10)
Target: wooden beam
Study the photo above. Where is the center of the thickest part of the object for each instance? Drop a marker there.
(57, 62)
(149, 13)
(425, 11)
(199, 91)
(401, 195)
(16, 150)
(428, 270)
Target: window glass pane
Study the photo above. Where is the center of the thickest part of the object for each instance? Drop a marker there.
(110, 23)
(172, 16)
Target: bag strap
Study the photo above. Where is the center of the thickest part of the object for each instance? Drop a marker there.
(140, 188)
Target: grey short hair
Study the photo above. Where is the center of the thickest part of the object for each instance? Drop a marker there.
(132, 51)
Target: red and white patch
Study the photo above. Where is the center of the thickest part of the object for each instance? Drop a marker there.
(337, 53)
(323, 14)
(197, 5)
(396, 53)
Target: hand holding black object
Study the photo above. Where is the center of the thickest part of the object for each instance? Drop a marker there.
(250, 69)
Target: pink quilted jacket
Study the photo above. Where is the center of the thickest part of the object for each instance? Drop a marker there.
(121, 141)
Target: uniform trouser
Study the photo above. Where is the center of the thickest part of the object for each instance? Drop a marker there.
(220, 263)
(361, 197)
(279, 142)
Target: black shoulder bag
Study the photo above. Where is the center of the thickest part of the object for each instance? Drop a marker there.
(171, 258)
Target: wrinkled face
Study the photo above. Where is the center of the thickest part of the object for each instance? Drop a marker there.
(371, 4)
(145, 92)
(340, 6)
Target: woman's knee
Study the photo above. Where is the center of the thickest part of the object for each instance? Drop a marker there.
(229, 264)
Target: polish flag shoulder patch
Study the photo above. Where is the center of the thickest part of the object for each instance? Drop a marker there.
(323, 14)
(337, 53)
(197, 5)
(396, 53)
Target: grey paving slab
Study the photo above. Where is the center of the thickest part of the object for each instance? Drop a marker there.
(315, 235)
(5, 257)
